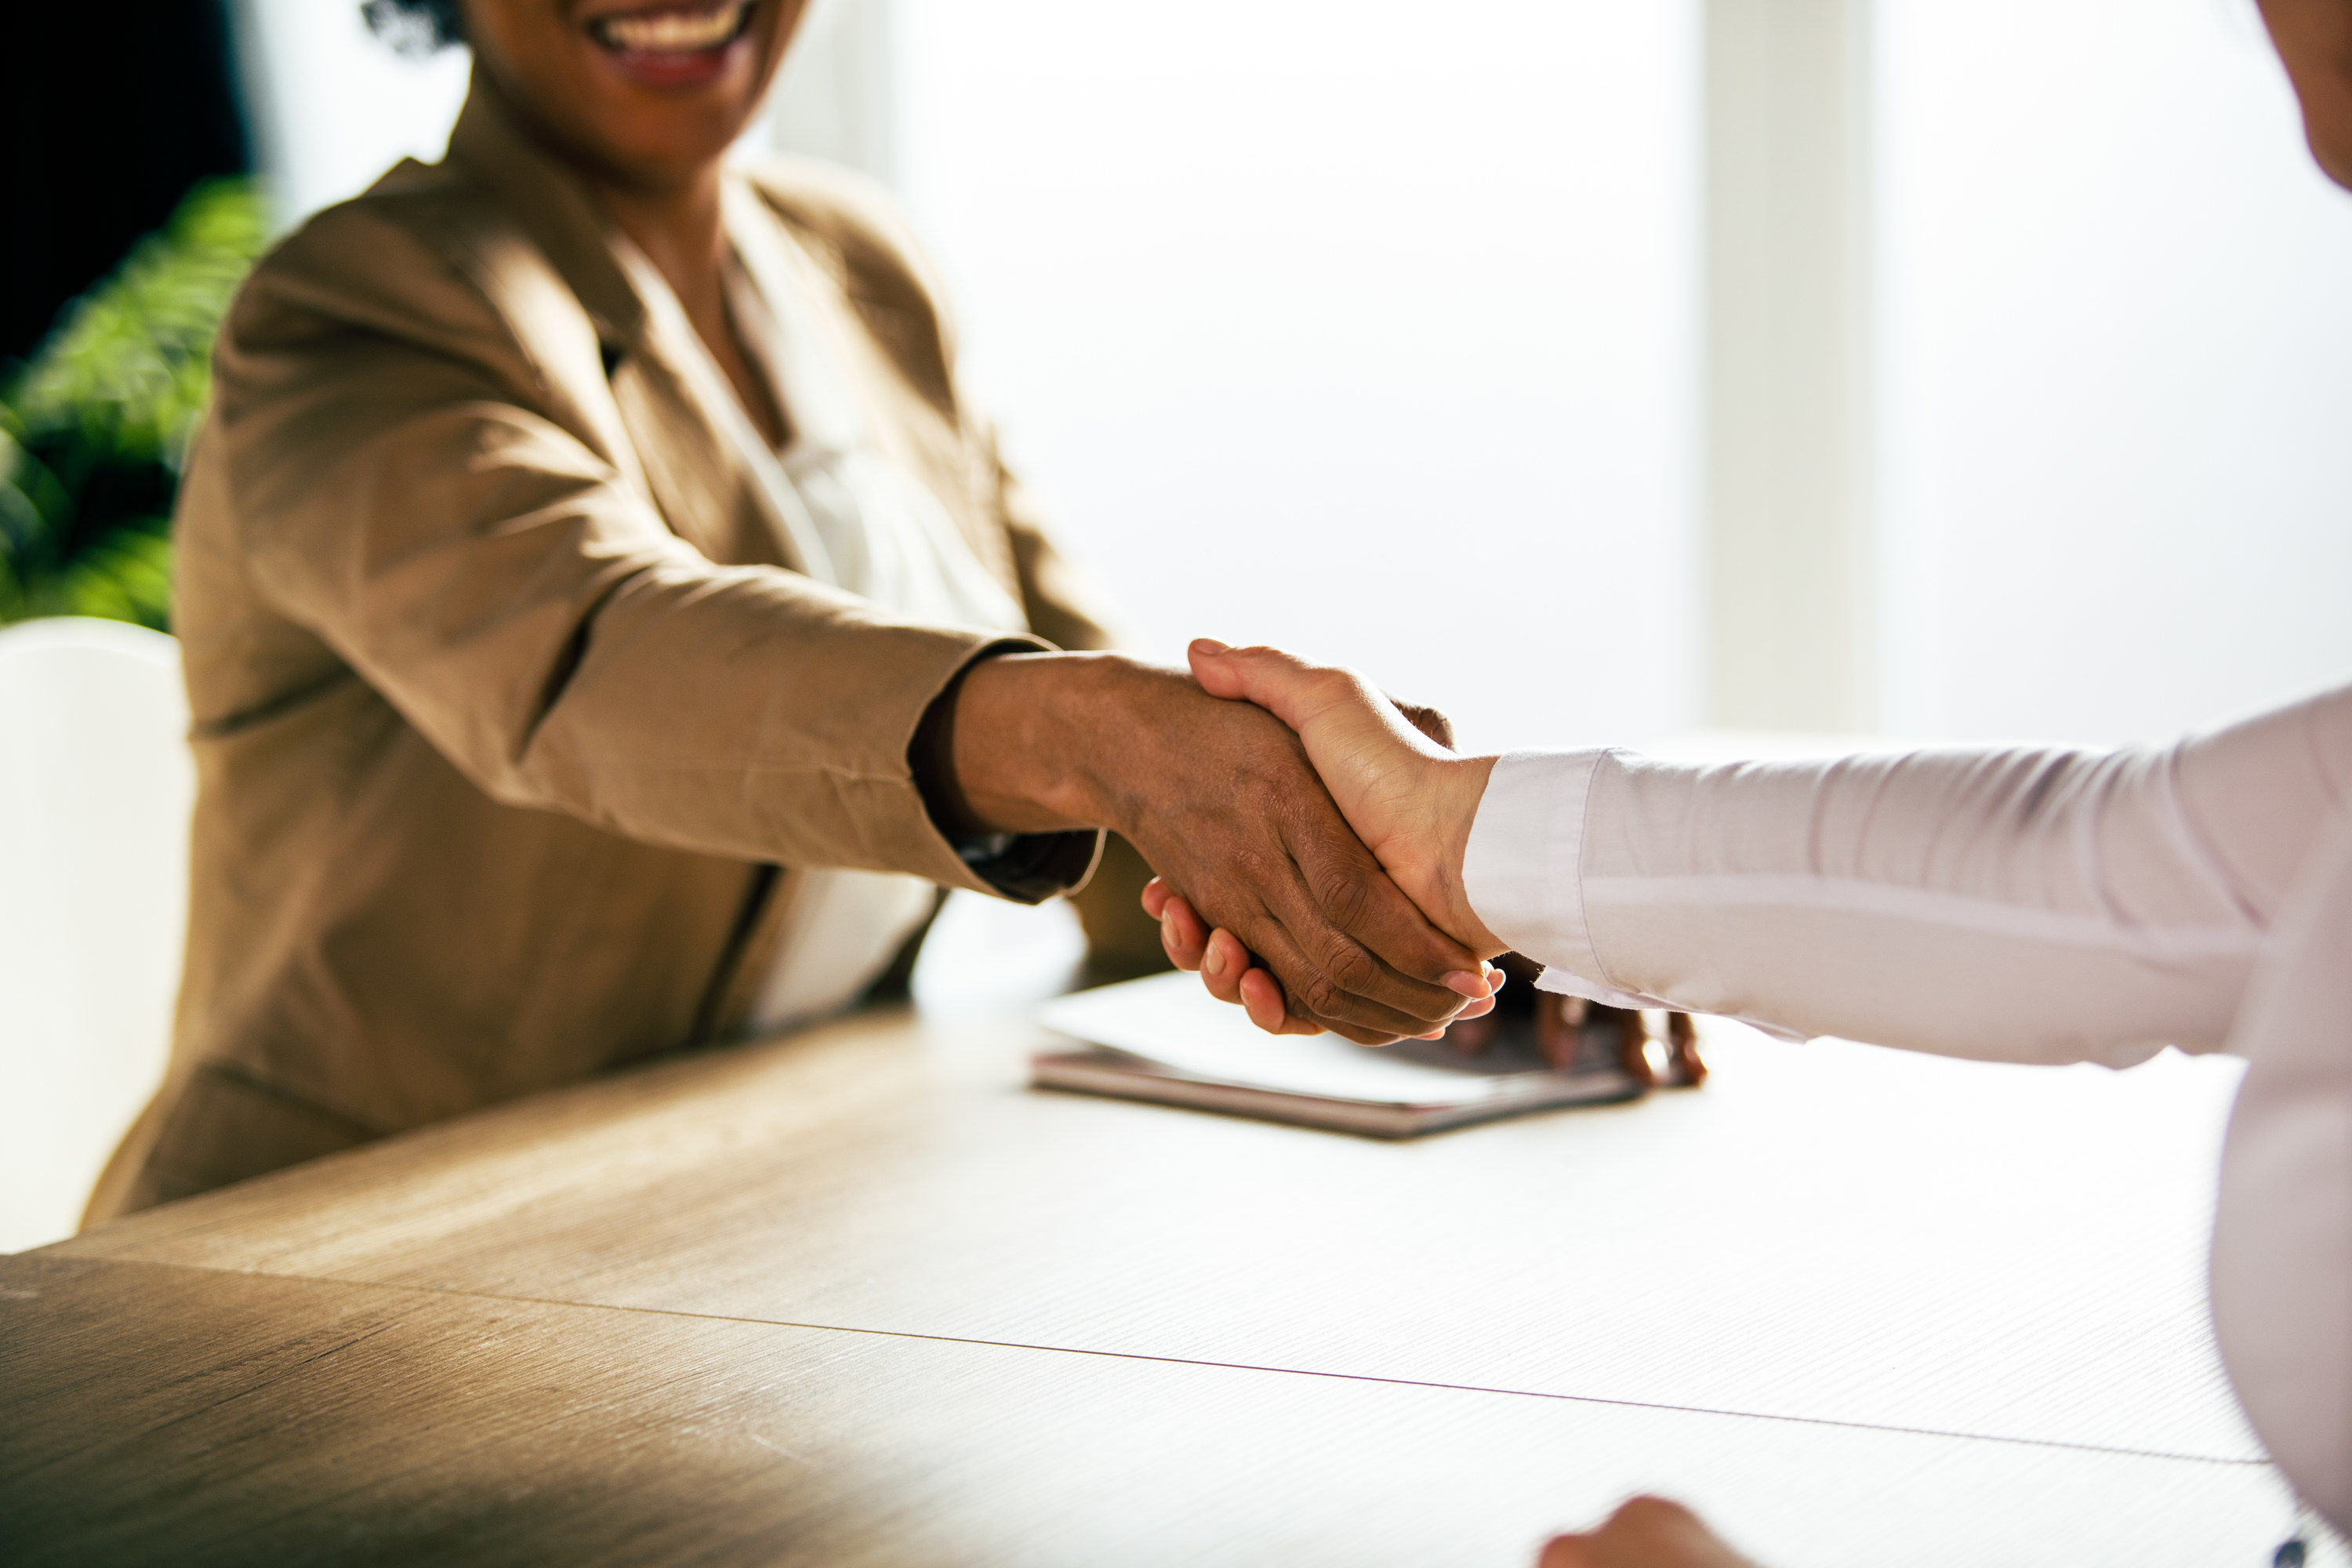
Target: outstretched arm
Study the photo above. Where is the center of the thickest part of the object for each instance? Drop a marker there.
(2036, 904)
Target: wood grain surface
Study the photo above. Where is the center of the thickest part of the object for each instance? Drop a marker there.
(1825, 1232)
(160, 1415)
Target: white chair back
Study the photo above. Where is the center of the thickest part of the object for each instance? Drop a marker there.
(96, 786)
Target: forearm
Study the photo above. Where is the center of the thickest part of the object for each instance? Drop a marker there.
(730, 711)
(1018, 745)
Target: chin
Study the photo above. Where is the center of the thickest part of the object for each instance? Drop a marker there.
(658, 134)
(674, 81)
(2333, 156)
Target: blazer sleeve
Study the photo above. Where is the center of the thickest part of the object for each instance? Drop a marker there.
(407, 487)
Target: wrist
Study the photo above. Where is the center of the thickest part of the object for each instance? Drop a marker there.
(1458, 786)
(1026, 729)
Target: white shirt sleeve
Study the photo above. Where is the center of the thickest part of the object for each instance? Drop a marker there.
(2024, 904)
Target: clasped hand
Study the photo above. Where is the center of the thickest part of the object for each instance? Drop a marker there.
(1221, 798)
(1409, 799)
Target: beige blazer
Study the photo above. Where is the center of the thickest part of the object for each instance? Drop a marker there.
(509, 704)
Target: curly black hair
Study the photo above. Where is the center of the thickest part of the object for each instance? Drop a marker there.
(414, 26)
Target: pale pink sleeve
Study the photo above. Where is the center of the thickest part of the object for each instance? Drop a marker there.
(2028, 904)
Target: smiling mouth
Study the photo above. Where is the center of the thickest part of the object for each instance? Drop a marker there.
(674, 31)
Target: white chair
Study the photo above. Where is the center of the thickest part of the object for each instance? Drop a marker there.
(96, 785)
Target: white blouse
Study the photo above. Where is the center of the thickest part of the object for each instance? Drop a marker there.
(850, 516)
(2022, 904)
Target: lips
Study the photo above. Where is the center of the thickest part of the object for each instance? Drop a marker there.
(674, 45)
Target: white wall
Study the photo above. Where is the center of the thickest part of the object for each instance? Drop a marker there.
(332, 106)
(835, 97)
(1789, 558)
(1368, 329)
(2116, 372)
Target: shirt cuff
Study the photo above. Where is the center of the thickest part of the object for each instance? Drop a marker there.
(1030, 867)
(1523, 869)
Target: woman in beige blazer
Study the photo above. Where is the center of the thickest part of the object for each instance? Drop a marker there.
(606, 623)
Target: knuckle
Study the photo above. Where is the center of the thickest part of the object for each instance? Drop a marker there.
(1251, 865)
(1350, 968)
(1319, 996)
(1343, 893)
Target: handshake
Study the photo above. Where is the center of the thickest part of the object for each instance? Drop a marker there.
(1409, 799)
(1308, 833)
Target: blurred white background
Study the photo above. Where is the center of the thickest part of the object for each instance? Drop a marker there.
(2115, 359)
(1378, 329)
(1364, 328)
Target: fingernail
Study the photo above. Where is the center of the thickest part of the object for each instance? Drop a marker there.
(1468, 984)
(1215, 963)
(1209, 646)
(1500, 977)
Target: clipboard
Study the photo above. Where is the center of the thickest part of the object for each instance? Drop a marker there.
(1165, 1040)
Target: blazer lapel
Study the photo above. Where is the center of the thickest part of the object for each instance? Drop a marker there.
(694, 474)
(905, 428)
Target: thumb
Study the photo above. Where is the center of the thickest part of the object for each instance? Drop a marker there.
(1276, 681)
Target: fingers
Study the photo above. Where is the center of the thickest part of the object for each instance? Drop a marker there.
(1429, 721)
(1223, 965)
(1223, 799)
(1218, 955)
(1261, 997)
(1156, 895)
(1363, 937)
(1344, 985)
(1183, 933)
(1231, 975)
(1569, 1551)
(1358, 957)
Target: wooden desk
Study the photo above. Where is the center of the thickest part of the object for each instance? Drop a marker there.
(857, 1296)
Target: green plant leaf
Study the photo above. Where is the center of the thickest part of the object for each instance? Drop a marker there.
(94, 429)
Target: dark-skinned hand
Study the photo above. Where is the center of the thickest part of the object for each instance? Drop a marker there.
(1644, 1532)
(1220, 798)
(1224, 960)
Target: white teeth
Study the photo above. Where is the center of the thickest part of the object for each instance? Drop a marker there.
(675, 32)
